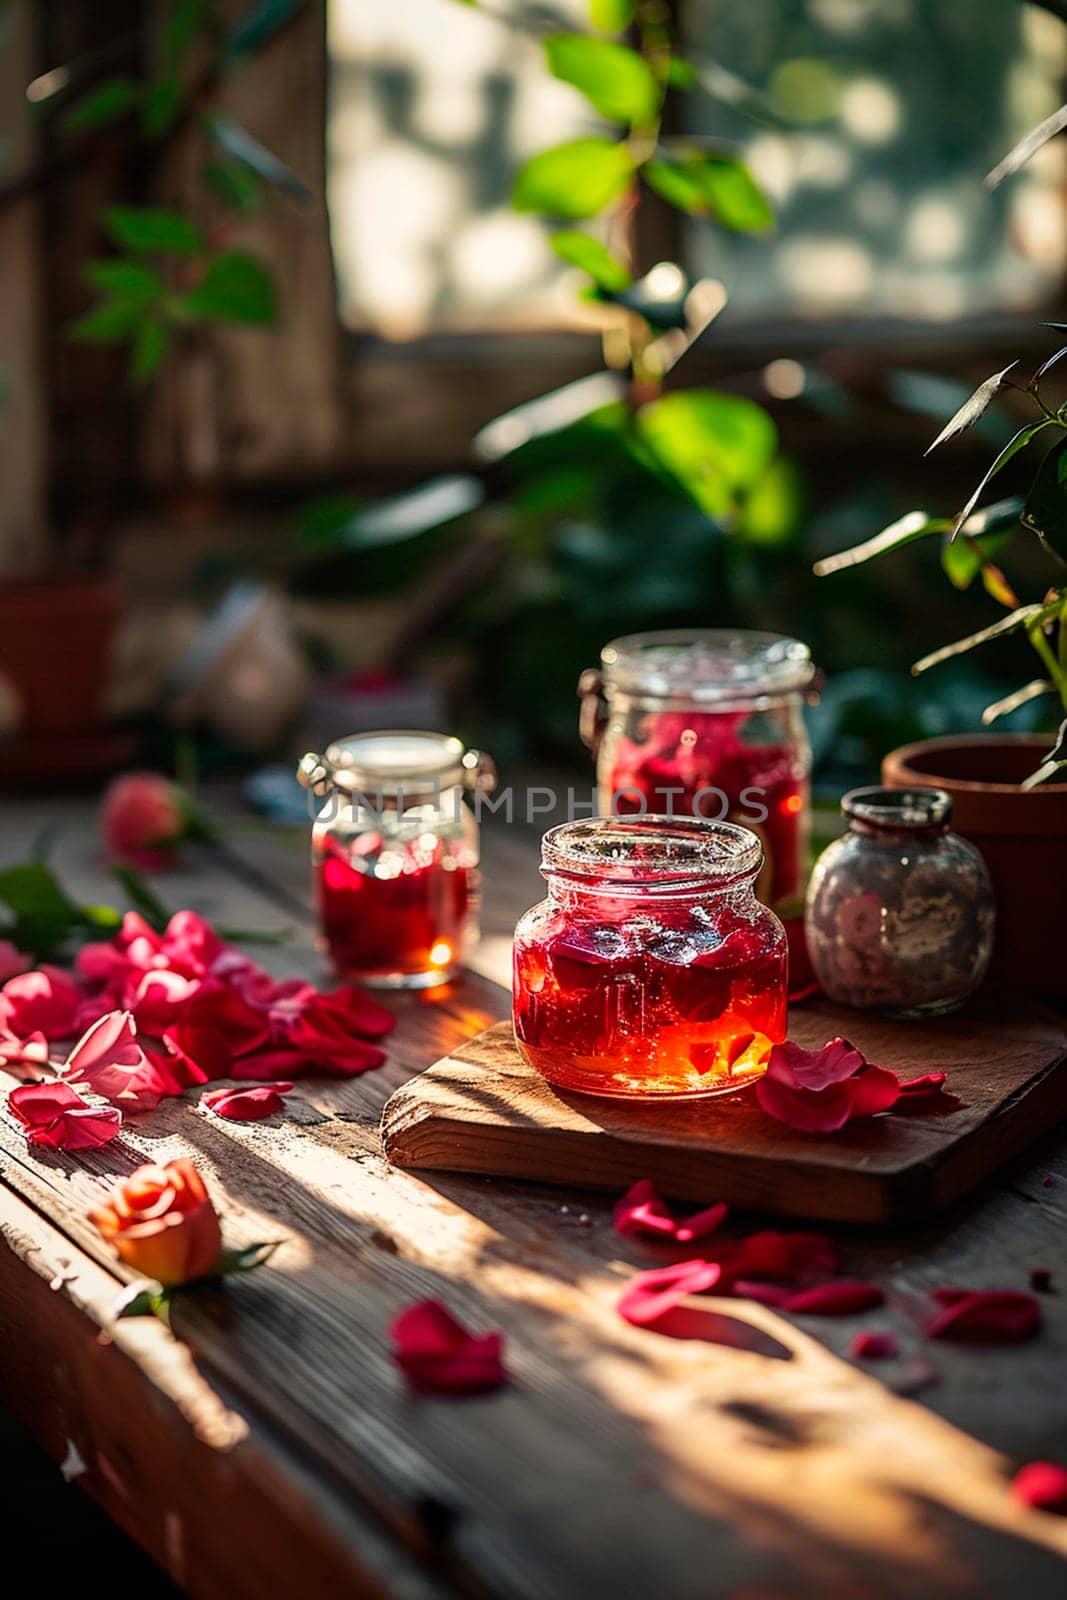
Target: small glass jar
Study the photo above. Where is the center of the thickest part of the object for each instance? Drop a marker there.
(900, 911)
(709, 723)
(651, 970)
(394, 854)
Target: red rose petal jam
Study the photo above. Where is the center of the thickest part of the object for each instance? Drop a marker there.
(391, 911)
(701, 764)
(625, 986)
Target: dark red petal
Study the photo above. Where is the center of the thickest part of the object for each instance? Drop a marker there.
(701, 1223)
(920, 1088)
(438, 1356)
(1041, 1280)
(870, 1346)
(650, 1294)
(266, 1065)
(1043, 1485)
(984, 1316)
(767, 1294)
(198, 1055)
(845, 1298)
(247, 1105)
(641, 1210)
(793, 1258)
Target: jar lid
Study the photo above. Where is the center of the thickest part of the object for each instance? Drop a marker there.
(712, 666)
(395, 761)
(899, 809)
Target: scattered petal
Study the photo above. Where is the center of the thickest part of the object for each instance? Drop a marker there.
(196, 1055)
(56, 1117)
(32, 1051)
(984, 1316)
(819, 1091)
(649, 1295)
(108, 1061)
(438, 1356)
(45, 1001)
(870, 1346)
(1041, 1280)
(247, 1105)
(794, 1258)
(13, 961)
(642, 1211)
(844, 1298)
(1042, 1485)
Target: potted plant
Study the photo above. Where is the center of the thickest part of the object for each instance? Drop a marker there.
(1009, 790)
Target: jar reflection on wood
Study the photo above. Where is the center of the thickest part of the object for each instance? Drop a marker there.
(395, 855)
(900, 910)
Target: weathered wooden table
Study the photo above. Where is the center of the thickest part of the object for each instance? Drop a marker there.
(268, 1446)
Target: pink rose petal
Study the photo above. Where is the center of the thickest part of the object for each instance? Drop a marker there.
(870, 1346)
(984, 1316)
(56, 1117)
(438, 1356)
(109, 1061)
(844, 1298)
(642, 1211)
(247, 1105)
(649, 1295)
(1042, 1485)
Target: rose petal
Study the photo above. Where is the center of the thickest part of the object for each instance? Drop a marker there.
(13, 961)
(814, 1069)
(642, 1211)
(198, 1055)
(984, 1316)
(794, 1258)
(870, 1346)
(826, 1110)
(55, 1116)
(109, 1061)
(247, 1105)
(1043, 1485)
(45, 1001)
(1041, 1280)
(649, 1294)
(844, 1298)
(32, 1051)
(438, 1356)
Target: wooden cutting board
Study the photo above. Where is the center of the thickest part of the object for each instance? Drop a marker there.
(482, 1109)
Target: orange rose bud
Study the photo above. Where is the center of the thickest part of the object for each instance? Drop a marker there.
(162, 1223)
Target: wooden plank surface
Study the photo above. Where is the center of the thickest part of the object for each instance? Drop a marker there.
(484, 1109)
(763, 1462)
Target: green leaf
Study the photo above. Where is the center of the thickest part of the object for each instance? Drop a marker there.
(110, 100)
(246, 1260)
(615, 80)
(151, 229)
(1046, 506)
(1053, 768)
(911, 526)
(611, 16)
(1019, 697)
(150, 346)
(259, 25)
(107, 323)
(1022, 618)
(126, 280)
(239, 144)
(771, 513)
(714, 444)
(716, 186)
(1017, 442)
(972, 408)
(235, 288)
(42, 914)
(577, 179)
(142, 1300)
(162, 104)
(234, 185)
(680, 74)
(592, 257)
(983, 536)
(184, 20)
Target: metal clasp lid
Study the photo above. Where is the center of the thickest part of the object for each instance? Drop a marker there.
(396, 761)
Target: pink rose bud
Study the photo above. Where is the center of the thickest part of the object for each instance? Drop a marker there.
(143, 817)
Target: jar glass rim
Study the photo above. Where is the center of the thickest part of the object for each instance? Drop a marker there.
(710, 665)
(650, 853)
(899, 809)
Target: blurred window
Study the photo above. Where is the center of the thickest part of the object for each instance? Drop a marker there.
(871, 124)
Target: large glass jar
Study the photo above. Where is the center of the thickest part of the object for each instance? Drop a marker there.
(394, 854)
(709, 723)
(900, 910)
(651, 969)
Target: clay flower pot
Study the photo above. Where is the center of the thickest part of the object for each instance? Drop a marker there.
(1021, 833)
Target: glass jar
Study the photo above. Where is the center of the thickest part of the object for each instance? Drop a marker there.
(651, 969)
(394, 855)
(709, 723)
(900, 911)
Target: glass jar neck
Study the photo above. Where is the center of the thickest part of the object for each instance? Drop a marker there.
(588, 893)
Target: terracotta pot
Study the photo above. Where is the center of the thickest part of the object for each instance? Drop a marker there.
(1021, 833)
(56, 640)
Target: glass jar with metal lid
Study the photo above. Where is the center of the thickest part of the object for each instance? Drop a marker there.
(395, 854)
(710, 723)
